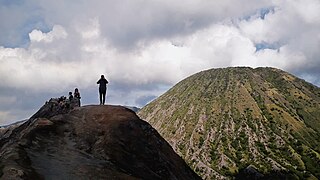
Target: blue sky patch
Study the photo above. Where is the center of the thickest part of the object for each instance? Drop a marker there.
(264, 11)
(261, 13)
(265, 45)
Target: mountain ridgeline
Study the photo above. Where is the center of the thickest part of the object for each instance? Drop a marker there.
(89, 142)
(226, 121)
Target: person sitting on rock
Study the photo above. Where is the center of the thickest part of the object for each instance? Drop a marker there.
(61, 99)
(70, 96)
(77, 96)
(62, 103)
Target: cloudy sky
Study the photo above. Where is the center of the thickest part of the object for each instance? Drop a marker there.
(144, 47)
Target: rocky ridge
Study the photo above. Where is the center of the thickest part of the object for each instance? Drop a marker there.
(224, 121)
(90, 142)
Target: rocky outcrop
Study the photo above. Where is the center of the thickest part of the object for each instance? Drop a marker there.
(90, 142)
(5, 131)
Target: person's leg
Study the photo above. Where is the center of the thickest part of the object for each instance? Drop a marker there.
(104, 98)
(100, 97)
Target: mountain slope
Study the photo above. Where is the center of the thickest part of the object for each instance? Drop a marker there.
(90, 142)
(223, 120)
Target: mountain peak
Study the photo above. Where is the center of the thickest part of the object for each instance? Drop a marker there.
(94, 142)
(223, 120)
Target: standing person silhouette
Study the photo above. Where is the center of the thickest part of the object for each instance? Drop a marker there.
(102, 89)
(77, 96)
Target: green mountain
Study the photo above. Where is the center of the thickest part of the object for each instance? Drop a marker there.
(226, 121)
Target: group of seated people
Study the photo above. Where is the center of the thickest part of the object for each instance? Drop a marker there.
(63, 103)
(75, 97)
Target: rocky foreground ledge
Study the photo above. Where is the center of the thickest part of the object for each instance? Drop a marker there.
(90, 142)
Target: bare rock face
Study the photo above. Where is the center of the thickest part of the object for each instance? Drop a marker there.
(90, 142)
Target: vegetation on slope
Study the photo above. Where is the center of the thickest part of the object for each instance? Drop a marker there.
(223, 120)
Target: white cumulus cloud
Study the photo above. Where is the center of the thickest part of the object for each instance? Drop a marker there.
(145, 47)
(58, 32)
